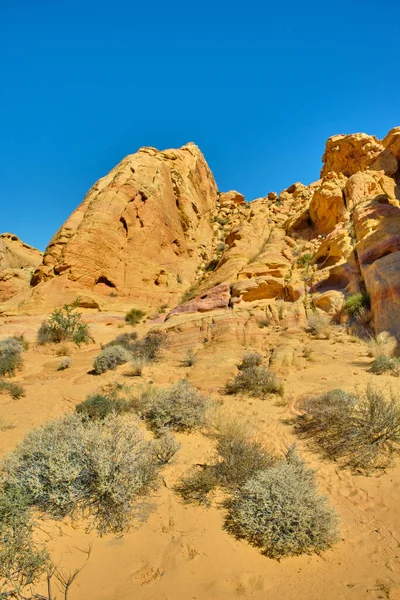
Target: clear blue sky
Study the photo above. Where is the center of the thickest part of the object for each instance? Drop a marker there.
(258, 85)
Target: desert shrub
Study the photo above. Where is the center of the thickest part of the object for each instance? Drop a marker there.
(385, 364)
(250, 359)
(255, 381)
(134, 316)
(64, 364)
(355, 303)
(10, 356)
(360, 431)
(164, 448)
(63, 350)
(99, 406)
(95, 469)
(109, 359)
(238, 456)
(151, 346)
(22, 340)
(137, 365)
(126, 340)
(279, 511)
(16, 391)
(384, 344)
(64, 324)
(180, 408)
(319, 324)
(22, 561)
(305, 259)
(190, 358)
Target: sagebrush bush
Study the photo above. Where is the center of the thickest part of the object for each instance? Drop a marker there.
(355, 303)
(180, 408)
(384, 344)
(22, 560)
(22, 340)
(110, 358)
(360, 431)
(126, 340)
(250, 359)
(134, 316)
(279, 511)
(13, 389)
(319, 324)
(255, 381)
(386, 364)
(95, 469)
(238, 456)
(10, 356)
(64, 324)
(99, 406)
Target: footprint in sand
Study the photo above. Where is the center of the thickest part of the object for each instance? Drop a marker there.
(147, 574)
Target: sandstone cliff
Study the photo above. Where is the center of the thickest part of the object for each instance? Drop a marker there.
(156, 232)
(17, 263)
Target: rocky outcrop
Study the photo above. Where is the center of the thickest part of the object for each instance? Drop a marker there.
(138, 236)
(155, 232)
(17, 263)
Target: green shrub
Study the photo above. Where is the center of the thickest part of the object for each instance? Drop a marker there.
(64, 324)
(96, 469)
(305, 260)
(16, 391)
(134, 316)
(99, 406)
(250, 359)
(385, 364)
(10, 356)
(22, 561)
(360, 431)
(109, 359)
(255, 381)
(279, 511)
(355, 303)
(180, 408)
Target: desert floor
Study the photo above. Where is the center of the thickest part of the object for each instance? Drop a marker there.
(181, 552)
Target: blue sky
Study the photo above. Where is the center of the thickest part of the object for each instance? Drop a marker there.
(259, 86)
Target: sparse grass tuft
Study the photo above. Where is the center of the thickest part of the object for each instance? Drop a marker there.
(360, 431)
(384, 344)
(319, 324)
(137, 365)
(250, 359)
(164, 449)
(190, 358)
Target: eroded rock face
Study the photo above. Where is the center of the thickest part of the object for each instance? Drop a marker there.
(17, 263)
(348, 154)
(155, 231)
(139, 234)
